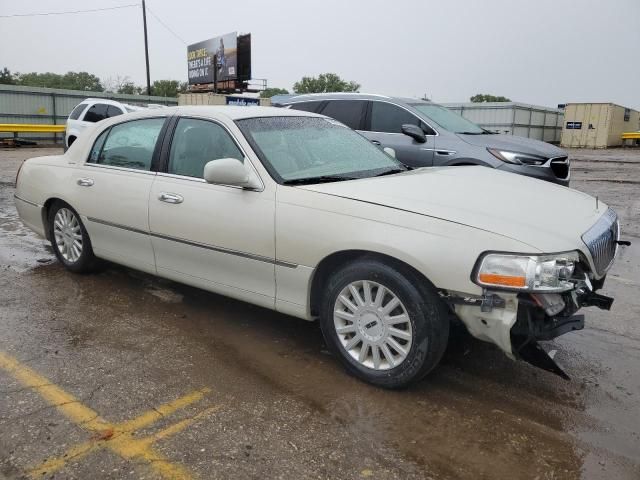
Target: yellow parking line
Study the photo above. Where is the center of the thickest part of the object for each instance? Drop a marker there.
(164, 410)
(66, 403)
(119, 438)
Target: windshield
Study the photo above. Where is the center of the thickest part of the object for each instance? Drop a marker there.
(447, 119)
(295, 149)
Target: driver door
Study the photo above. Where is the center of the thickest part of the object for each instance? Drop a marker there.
(217, 237)
(384, 128)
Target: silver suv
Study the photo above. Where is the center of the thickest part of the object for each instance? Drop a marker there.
(425, 134)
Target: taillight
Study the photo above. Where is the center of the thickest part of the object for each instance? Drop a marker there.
(18, 174)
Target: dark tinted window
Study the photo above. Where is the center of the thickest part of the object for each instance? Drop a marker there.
(75, 114)
(197, 142)
(96, 113)
(349, 112)
(113, 111)
(306, 106)
(130, 144)
(389, 118)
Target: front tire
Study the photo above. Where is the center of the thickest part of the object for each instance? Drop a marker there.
(387, 325)
(70, 240)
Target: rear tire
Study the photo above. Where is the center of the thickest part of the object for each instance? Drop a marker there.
(387, 325)
(70, 240)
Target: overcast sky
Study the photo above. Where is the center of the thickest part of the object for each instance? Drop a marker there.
(536, 51)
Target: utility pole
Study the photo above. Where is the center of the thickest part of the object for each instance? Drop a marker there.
(146, 46)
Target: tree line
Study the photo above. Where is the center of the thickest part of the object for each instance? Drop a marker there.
(90, 83)
(323, 83)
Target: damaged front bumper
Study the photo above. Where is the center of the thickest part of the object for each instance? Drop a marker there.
(516, 322)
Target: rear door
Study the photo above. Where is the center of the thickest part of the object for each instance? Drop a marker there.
(111, 191)
(384, 127)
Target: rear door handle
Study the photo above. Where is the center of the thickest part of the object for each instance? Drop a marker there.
(85, 182)
(375, 142)
(170, 198)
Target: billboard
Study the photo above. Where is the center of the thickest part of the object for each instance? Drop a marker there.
(200, 57)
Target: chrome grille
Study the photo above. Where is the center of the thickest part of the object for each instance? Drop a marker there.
(601, 239)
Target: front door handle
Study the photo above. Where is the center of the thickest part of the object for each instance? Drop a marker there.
(85, 182)
(171, 198)
(375, 142)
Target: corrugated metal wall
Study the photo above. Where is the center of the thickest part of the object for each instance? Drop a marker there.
(52, 106)
(597, 125)
(511, 118)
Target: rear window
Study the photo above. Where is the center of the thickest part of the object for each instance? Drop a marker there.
(113, 111)
(76, 112)
(306, 106)
(96, 113)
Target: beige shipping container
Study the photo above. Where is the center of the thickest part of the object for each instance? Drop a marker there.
(213, 99)
(597, 125)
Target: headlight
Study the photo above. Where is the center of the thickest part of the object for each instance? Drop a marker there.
(529, 273)
(517, 158)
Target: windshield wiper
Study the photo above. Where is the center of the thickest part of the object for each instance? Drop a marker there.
(471, 133)
(391, 171)
(320, 179)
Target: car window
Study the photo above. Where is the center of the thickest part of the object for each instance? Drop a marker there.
(349, 112)
(97, 112)
(197, 142)
(447, 119)
(75, 113)
(389, 118)
(129, 144)
(97, 147)
(113, 111)
(306, 106)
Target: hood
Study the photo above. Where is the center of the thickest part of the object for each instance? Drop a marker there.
(515, 144)
(548, 217)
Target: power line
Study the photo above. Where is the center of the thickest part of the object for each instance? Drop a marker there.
(166, 26)
(42, 14)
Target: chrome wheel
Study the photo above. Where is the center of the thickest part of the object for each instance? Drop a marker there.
(373, 325)
(68, 235)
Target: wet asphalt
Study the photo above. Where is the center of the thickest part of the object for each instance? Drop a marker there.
(262, 397)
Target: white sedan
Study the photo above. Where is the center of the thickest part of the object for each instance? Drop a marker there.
(297, 213)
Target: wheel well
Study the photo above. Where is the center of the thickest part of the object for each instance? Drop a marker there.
(330, 264)
(45, 214)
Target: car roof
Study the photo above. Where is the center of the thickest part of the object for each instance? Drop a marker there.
(102, 100)
(217, 111)
(308, 97)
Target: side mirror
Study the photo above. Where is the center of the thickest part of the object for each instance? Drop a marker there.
(389, 151)
(230, 171)
(414, 132)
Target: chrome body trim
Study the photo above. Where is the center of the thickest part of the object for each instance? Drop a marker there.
(214, 248)
(122, 169)
(33, 204)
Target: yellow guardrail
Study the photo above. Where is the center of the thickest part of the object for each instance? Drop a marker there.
(631, 136)
(31, 128)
